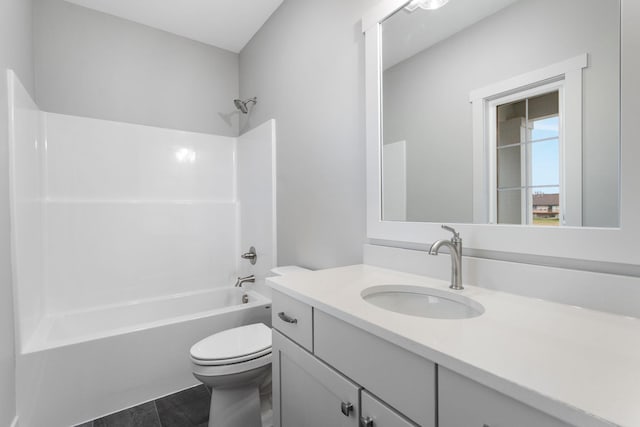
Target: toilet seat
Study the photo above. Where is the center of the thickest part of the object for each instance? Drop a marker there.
(233, 346)
(231, 369)
(230, 361)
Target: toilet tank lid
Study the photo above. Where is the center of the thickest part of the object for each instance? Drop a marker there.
(287, 269)
(233, 343)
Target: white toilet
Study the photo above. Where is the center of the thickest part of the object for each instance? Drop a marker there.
(235, 363)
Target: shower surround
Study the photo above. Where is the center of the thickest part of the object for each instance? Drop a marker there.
(118, 229)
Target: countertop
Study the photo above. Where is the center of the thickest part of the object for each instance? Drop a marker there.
(581, 366)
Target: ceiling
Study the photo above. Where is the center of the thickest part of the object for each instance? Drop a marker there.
(228, 24)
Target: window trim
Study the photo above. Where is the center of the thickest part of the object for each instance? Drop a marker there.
(569, 74)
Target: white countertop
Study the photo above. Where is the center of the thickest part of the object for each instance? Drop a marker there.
(579, 365)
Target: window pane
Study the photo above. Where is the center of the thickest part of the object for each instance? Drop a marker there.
(546, 206)
(545, 128)
(543, 106)
(511, 123)
(509, 167)
(510, 207)
(545, 163)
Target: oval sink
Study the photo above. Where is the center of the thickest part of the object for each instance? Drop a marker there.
(423, 302)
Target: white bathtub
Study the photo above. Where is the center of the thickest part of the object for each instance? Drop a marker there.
(82, 365)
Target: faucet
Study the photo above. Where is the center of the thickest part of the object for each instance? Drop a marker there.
(242, 280)
(455, 249)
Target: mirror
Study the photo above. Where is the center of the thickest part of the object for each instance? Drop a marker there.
(502, 112)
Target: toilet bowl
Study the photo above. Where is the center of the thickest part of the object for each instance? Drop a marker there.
(236, 364)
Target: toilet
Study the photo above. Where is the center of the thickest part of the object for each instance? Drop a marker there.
(236, 365)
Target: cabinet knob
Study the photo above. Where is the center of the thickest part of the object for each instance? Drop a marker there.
(346, 408)
(286, 318)
(366, 422)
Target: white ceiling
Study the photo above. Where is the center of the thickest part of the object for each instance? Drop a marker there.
(228, 24)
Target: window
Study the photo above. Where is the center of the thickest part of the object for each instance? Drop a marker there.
(527, 154)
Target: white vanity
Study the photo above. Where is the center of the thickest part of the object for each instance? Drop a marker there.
(342, 361)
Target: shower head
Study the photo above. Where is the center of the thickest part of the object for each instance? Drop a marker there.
(242, 105)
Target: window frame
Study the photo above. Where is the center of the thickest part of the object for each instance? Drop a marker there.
(491, 124)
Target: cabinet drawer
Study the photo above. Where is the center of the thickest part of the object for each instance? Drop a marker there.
(308, 393)
(293, 318)
(402, 379)
(376, 414)
(463, 402)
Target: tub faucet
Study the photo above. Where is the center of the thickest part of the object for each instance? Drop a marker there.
(455, 249)
(243, 280)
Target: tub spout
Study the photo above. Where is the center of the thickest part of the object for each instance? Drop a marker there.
(243, 280)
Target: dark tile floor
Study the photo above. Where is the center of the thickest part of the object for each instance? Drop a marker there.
(187, 408)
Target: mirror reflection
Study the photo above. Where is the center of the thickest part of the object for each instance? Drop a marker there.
(502, 112)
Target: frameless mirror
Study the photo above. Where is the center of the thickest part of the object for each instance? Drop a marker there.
(502, 112)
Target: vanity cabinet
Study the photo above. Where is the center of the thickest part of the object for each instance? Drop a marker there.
(325, 371)
(463, 402)
(329, 373)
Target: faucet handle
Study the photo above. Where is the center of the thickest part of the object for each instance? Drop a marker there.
(252, 255)
(456, 235)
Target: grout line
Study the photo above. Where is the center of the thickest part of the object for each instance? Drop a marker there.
(155, 408)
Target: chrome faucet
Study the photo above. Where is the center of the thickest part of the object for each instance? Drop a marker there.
(243, 280)
(455, 249)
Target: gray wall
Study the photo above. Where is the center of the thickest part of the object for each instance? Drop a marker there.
(15, 53)
(306, 66)
(427, 101)
(91, 64)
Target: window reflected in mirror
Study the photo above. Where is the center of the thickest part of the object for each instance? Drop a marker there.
(528, 161)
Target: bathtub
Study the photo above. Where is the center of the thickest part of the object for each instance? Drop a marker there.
(85, 364)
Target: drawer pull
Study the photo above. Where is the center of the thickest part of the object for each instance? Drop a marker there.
(346, 408)
(366, 422)
(286, 318)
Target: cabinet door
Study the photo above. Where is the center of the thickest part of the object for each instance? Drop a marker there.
(308, 393)
(463, 402)
(377, 414)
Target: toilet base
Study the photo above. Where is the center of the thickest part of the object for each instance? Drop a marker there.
(239, 399)
(235, 407)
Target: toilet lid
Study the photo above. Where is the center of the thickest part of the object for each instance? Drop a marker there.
(234, 345)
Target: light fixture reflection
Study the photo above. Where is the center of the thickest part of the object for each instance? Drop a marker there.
(425, 4)
(185, 155)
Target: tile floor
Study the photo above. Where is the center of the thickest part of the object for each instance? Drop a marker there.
(187, 408)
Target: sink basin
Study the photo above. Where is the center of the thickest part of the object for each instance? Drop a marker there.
(422, 302)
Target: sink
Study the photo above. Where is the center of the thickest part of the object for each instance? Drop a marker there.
(422, 302)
